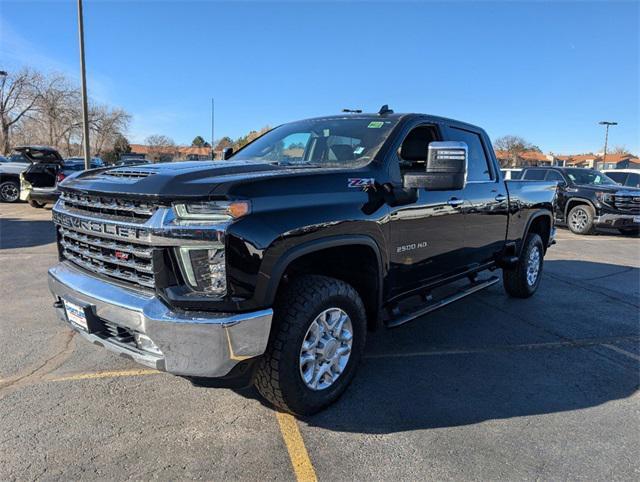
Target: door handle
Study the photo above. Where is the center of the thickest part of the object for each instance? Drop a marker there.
(500, 198)
(455, 201)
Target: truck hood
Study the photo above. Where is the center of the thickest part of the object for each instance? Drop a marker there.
(176, 180)
(608, 189)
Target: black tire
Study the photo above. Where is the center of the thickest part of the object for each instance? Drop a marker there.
(580, 219)
(278, 377)
(36, 204)
(9, 191)
(517, 282)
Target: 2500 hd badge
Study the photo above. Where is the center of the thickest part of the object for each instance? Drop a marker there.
(268, 269)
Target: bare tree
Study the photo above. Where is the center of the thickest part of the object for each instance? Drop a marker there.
(620, 150)
(161, 148)
(58, 111)
(19, 93)
(514, 146)
(106, 125)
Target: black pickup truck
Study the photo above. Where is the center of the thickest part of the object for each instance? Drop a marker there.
(588, 199)
(270, 267)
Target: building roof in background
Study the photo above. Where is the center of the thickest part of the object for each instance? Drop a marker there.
(180, 150)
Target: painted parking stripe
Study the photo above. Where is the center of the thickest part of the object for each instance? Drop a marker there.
(104, 374)
(302, 466)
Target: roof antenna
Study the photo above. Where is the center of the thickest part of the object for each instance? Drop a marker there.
(352, 111)
(385, 110)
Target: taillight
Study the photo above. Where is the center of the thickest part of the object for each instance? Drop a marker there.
(60, 176)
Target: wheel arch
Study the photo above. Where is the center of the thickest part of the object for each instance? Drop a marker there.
(575, 201)
(540, 223)
(306, 257)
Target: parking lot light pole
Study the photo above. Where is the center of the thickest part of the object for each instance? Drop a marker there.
(83, 80)
(606, 139)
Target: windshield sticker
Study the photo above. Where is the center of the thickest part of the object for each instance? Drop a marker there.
(358, 150)
(375, 124)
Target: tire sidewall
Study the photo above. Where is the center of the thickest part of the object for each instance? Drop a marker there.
(16, 185)
(300, 397)
(588, 210)
(533, 240)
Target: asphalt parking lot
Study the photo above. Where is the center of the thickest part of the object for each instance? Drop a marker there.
(488, 388)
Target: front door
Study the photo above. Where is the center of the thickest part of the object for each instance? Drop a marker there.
(427, 236)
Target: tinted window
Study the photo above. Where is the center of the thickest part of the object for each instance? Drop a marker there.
(554, 176)
(535, 175)
(477, 166)
(618, 177)
(588, 177)
(633, 180)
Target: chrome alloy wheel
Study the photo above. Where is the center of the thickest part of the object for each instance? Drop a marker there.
(533, 266)
(9, 192)
(326, 349)
(579, 219)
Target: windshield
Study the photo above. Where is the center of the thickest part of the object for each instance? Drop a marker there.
(338, 142)
(589, 177)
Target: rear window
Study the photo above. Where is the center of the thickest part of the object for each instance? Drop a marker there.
(633, 180)
(535, 175)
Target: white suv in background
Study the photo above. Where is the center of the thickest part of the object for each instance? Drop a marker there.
(625, 177)
(10, 170)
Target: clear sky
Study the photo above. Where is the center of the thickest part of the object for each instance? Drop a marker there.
(547, 71)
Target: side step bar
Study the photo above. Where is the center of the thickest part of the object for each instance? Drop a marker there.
(424, 309)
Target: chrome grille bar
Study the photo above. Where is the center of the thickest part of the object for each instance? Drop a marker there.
(107, 205)
(130, 276)
(139, 251)
(89, 253)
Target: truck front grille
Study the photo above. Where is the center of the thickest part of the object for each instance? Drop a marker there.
(121, 260)
(129, 210)
(627, 202)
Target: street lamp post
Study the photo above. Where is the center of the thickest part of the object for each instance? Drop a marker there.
(83, 80)
(606, 139)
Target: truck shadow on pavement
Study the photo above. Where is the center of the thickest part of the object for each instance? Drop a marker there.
(491, 357)
(20, 233)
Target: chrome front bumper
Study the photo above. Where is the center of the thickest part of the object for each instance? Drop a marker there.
(192, 344)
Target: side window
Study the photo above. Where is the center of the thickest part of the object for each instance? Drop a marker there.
(534, 175)
(618, 177)
(554, 176)
(633, 180)
(477, 167)
(415, 148)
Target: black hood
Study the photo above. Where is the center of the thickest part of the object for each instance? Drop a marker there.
(176, 180)
(608, 188)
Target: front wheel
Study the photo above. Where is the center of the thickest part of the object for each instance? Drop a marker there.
(9, 191)
(316, 344)
(523, 280)
(581, 219)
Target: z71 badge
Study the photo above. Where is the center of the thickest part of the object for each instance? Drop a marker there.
(360, 181)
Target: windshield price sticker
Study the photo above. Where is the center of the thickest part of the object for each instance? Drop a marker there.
(375, 124)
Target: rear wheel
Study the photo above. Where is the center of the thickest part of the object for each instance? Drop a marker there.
(36, 204)
(580, 219)
(316, 344)
(9, 191)
(523, 280)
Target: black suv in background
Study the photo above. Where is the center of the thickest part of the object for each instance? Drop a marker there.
(588, 199)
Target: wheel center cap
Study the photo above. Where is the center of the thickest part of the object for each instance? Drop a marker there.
(330, 348)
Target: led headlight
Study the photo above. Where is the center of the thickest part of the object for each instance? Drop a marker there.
(203, 268)
(212, 210)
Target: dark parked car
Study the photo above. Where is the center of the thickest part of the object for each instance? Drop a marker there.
(270, 267)
(588, 199)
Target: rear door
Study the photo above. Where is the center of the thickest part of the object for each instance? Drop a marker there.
(486, 206)
(45, 164)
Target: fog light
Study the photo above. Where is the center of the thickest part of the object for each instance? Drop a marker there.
(145, 343)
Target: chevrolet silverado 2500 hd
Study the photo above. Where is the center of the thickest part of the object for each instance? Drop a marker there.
(270, 267)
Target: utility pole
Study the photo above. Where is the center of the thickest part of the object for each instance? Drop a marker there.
(212, 125)
(83, 80)
(606, 140)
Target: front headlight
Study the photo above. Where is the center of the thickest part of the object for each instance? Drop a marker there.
(203, 268)
(212, 210)
(605, 197)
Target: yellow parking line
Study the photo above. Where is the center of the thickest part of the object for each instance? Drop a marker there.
(105, 374)
(298, 454)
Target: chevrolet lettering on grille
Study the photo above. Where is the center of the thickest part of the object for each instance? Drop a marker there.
(96, 227)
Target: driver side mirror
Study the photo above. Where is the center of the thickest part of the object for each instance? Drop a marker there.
(227, 152)
(446, 168)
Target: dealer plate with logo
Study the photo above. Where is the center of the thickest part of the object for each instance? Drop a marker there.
(76, 314)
